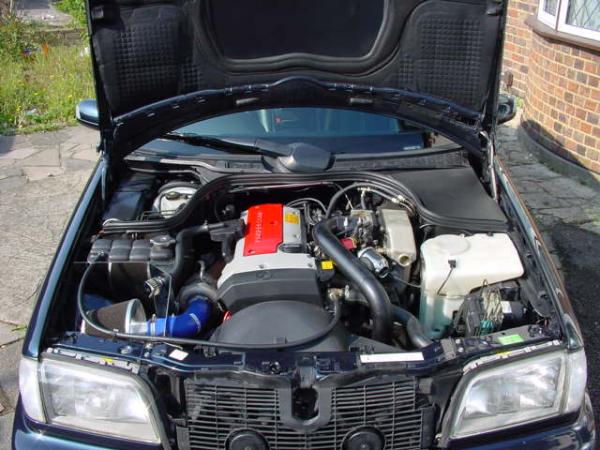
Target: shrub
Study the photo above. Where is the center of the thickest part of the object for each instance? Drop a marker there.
(17, 38)
(76, 8)
(15, 96)
(61, 80)
(39, 85)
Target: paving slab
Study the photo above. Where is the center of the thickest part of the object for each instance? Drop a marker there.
(33, 218)
(81, 136)
(8, 143)
(527, 186)
(541, 200)
(572, 214)
(6, 163)
(71, 164)
(89, 154)
(516, 157)
(567, 188)
(39, 173)
(10, 333)
(533, 172)
(11, 183)
(6, 422)
(19, 153)
(10, 171)
(49, 138)
(10, 356)
(47, 157)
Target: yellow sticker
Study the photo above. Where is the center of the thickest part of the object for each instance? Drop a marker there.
(327, 264)
(291, 217)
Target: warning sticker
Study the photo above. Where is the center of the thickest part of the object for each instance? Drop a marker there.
(179, 355)
(327, 264)
(291, 217)
(391, 357)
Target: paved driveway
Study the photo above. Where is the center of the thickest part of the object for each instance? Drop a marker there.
(42, 175)
(41, 178)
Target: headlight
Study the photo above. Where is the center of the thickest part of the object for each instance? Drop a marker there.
(520, 392)
(95, 399)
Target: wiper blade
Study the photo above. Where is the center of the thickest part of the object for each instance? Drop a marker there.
(295, 157)
(225, 144)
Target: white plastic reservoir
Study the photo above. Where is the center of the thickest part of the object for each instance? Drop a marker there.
(478, 260)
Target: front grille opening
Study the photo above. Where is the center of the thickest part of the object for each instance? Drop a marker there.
(391, 409)
(304, 403)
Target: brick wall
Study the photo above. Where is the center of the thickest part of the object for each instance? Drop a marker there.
(562, 105)
(516, 44)
(560, 85)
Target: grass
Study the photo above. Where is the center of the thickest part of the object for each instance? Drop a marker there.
(520, 102)
(39, 85)
(76, 8)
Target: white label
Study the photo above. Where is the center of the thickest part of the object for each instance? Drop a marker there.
(391, 357)
(179, 355)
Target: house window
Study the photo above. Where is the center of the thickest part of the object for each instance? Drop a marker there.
(577, 17)
(548, 12)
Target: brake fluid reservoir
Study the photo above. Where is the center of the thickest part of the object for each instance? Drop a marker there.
(454, 265)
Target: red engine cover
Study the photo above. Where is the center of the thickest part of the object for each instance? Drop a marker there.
(264, 229)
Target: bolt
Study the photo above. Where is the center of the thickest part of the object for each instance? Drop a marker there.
(126, 350)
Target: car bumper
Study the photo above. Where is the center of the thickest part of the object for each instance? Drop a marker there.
(578, 435)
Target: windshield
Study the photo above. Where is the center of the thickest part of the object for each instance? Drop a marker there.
(305, 123)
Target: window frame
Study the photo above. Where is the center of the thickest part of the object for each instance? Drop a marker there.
(559, 23)
(546, 17)
(564, 27)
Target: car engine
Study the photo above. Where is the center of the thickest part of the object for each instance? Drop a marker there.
(300, 311)
(314, 266)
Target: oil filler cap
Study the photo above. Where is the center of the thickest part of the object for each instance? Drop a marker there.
(246, 440)
(363, 439)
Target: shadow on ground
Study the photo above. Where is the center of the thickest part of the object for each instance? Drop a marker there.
(6, 143)
(578, 250)
(576, 241)
(564, 160)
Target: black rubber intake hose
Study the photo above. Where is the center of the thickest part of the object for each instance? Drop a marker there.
(178, 270)
(355, 271)
(413, 327)
(181, 246)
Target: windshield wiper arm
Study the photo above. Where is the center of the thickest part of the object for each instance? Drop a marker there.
(295, 157)
(228, 144)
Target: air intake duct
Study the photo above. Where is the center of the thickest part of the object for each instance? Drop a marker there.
(363, 279)
(129, 317)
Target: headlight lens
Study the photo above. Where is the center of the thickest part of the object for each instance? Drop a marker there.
(99, 400)
(29, 388)
(521, 392)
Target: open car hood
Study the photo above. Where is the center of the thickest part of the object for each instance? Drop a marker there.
(159, 65)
